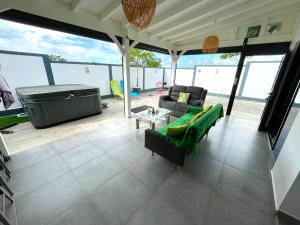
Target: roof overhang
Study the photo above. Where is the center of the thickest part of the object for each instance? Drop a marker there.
(178, 24)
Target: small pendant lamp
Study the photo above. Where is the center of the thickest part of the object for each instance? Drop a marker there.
(139, 12)
(210, 45)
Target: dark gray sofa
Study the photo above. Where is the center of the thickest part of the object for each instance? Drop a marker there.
(197, 98)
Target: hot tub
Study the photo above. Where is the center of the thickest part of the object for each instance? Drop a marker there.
(50, 105)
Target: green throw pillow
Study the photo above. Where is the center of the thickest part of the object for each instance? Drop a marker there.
(183, 97)
(177, 131)
(207, 108)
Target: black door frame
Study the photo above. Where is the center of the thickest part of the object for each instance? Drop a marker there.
(237, 77)
(282, 97)
(251, 50)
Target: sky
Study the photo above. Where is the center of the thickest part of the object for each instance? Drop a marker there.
(24, 38)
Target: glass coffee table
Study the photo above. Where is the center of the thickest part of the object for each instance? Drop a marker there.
(152, 118)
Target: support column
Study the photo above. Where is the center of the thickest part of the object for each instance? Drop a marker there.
(126, 77)
(174, 58)
(125, 49)
(173, 67)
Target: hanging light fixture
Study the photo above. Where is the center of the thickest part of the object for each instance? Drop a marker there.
(210, 45)
(139, 12)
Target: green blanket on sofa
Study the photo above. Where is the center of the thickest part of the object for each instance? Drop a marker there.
(197, 130)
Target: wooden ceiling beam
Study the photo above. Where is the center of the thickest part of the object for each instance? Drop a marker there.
(107, 13)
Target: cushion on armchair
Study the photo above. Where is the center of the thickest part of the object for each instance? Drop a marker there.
(183, 97)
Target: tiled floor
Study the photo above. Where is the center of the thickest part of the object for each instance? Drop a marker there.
(26, 136)
(103, 175)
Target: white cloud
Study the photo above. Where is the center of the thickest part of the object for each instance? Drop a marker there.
(25, 38)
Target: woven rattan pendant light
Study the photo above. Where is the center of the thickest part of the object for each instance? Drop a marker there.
(139, 12)
(210, 44)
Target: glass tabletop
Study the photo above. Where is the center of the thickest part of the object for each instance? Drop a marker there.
(149, 116)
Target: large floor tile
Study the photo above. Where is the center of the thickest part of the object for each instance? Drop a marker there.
(251, 148)
(42, 205)
(255, 166)
(31, 156)
(32, 177)
(202, 170)
(158, 212)
(96, 172)
(82, 213)
(120, 198)
(80, 155)
(248, 189)
(213, 150)
(152, 170)
(218, 137)
(107, 144)
(250, 138)
(98, 132)
(127, 153)
(186, 196)
(224, 210)
(68, 143)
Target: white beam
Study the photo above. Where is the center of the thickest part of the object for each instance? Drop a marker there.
(116, 5)
(63, 13)
(181, 54)
(174, 12)
(180, 33)
(133, 44)
(238, 42)
(229, 21)
(212, 9)
(145, 38)
(116, 41)
(211, 20)
(233, 34)
(76, 4)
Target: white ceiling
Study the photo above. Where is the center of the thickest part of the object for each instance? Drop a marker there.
(177, 24)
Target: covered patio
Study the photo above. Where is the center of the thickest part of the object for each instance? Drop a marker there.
(97, 171)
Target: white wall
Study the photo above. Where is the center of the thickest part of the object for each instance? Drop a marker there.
(134, 73)
(285, 173)
(260, 79)
(94, 75)
(117, 75)
(167, 78)
(152, 76)
(215, 79)
(184, 77)
(22, 71)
